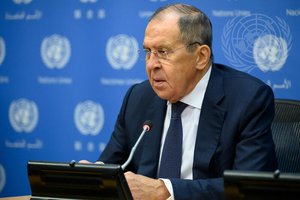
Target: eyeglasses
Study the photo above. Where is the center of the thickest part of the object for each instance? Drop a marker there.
(161, 54)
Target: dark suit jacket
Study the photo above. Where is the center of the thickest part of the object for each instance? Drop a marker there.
(234, 132)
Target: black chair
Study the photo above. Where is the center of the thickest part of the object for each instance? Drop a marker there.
(286, 134)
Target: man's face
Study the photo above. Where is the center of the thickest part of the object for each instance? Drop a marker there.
(176, 76)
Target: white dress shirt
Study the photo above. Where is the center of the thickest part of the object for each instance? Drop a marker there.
(190, 119)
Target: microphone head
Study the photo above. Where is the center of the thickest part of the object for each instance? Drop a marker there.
(147, 125)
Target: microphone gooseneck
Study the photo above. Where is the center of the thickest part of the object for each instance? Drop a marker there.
(147, 125)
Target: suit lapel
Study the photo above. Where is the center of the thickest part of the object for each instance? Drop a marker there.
(210, 125)
(152, 140)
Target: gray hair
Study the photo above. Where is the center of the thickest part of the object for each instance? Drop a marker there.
(194, 25)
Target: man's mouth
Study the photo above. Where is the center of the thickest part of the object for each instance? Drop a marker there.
(158, 82)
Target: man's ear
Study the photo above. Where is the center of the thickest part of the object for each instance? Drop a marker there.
(203, 56)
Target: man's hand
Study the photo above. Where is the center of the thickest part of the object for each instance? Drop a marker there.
(143, 187)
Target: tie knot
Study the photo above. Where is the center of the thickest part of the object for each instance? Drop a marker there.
(177, 109)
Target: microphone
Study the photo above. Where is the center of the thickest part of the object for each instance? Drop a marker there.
(147, 125)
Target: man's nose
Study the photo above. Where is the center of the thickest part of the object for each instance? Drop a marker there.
(153, 61)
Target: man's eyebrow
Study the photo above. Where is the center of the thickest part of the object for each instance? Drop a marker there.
(161, 46)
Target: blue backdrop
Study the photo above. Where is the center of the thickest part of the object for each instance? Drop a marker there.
(66, 64)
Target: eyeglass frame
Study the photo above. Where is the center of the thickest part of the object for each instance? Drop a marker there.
(163, 54)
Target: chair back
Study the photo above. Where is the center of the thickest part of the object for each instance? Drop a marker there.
(286, 134)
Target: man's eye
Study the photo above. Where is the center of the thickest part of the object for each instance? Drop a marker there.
(162, 52)
(147, 51)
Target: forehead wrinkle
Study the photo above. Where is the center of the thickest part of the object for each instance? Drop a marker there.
(158, 32)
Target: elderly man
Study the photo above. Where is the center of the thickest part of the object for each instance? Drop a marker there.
(206, 117)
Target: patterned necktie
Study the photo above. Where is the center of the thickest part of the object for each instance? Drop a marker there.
(170, 165)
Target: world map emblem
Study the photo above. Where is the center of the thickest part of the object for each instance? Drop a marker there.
(270, 52)
(122, 51)
(256, 41)
(2, 178)
(23, 115)
(55, 51)
(89, 117)
(2, 50)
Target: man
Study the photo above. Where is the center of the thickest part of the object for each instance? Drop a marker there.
(226, 124)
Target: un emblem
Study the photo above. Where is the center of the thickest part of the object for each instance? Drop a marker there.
(89, 117)
(256, 41)
(55, 51)
(23, 115)
(270, 52)
(122, 51)
(2, 50)
(2, 178)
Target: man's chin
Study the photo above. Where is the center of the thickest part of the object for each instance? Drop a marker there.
(162, 94)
